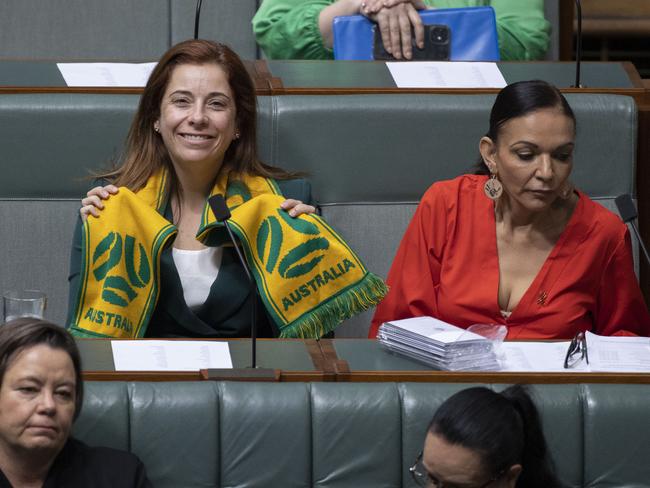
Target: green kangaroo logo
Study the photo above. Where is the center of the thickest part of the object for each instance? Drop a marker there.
(293, 263)
(119, 290)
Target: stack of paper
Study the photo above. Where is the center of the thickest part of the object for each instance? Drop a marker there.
(438, 344)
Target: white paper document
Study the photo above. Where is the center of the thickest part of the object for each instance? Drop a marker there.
(446, 74)
(606, 354)
(618, 354)
(145, 355)
(106, 74)
(537, 357)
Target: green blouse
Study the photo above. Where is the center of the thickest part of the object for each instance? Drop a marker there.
(288, 29)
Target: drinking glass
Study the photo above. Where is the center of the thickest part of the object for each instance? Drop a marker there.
(23, 303)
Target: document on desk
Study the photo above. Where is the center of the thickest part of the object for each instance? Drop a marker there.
(618, 354)
(106, 74)
(543, 357)
(606, 354)
(446, 74)
(145, 355)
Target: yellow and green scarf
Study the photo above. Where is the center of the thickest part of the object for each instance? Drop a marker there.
(307, 276)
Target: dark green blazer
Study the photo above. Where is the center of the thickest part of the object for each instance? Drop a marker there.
(227, 310)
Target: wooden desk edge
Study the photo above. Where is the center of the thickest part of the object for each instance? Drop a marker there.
(141, 376)
(158, 376)
(93, 90)
(493, 377)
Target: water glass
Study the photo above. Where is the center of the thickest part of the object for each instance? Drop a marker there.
(24, 303)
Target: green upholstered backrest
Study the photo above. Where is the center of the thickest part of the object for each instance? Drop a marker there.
(119, 30)
(344, 435)
(379, 148)
(357, 148)
(369, 157)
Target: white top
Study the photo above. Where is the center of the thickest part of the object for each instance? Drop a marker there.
(197, 271)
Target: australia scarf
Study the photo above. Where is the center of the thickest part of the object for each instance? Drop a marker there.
(307, 277)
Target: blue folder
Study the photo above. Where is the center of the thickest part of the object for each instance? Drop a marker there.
(473, 34)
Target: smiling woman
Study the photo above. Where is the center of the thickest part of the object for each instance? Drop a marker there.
(193, 135)
(151, 260)
(41, 393)
(197, 120)
(516, 244)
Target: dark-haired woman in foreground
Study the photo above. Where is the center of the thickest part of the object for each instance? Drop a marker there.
(516, 244)
(480, 439)
(41, 393)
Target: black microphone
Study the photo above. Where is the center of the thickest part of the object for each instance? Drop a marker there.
(627, 210)
(222, 214)
(578, 43)
(197, 19)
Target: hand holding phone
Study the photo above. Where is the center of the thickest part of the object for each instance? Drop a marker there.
(437, 42)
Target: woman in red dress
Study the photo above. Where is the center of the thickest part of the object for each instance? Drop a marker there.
(516, 244)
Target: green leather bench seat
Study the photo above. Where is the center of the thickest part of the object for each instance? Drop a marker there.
(337, 435)
(369, 157)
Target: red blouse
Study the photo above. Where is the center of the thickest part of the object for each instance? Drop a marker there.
(447, 267)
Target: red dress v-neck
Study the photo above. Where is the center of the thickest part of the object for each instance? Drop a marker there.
(447, 267)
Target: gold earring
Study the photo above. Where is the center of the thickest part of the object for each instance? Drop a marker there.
(493, 187)
(156, 128)
(237, 134)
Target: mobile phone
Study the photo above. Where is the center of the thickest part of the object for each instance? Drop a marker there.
(437, 40)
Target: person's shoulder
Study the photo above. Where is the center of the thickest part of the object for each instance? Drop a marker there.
(296, 188)
(601, 217)
(601, 224)
(455, 188)
(103, 459)
(99, 181)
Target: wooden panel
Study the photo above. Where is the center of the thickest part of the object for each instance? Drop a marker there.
(615, 9)
(566, 30)
(623, 18)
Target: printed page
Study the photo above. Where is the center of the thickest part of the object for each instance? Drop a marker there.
(145, 355)
(537, 357)
(445, 74)
(618, 354)
(106, 74)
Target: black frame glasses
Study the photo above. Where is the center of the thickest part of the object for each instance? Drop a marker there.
(577, 351)
(425, 479)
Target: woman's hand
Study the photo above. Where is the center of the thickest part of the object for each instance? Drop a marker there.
(395, 18)
(92, 204)
(296, 207)
(374, 6)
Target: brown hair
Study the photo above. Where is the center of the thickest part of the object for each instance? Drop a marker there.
(20, 334)
(145, 151)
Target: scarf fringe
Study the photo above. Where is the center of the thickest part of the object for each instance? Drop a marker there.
(328, 315)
